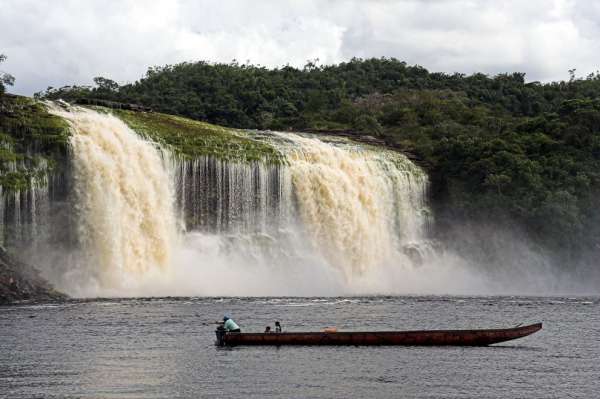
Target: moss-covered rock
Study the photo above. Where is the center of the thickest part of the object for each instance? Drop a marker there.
(192, 138)
(32, 142)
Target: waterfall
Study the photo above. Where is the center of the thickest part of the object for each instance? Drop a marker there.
(20, 211)
(147, 221)
(361, 206)
(229, 197)
(332, 204)
(126, 221)
(119, 215)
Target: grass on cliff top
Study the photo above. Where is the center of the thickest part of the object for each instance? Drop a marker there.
(31, 140)
(192, 138)
(29, 123)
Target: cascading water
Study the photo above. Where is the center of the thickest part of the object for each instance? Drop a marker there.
(335, 212)
(228, 197)
(327, 217)
(19, 211)
(125, 203)
(332, 216)
(360, 206)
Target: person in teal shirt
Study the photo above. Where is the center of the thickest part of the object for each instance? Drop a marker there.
(230, 325)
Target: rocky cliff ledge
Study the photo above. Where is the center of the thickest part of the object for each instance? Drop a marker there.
(22, 282)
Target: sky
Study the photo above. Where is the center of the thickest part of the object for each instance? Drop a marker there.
(62, 42)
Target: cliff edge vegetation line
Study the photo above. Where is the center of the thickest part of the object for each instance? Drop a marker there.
(190, 138)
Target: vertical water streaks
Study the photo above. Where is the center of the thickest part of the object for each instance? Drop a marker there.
(25, 210)
(229, 197)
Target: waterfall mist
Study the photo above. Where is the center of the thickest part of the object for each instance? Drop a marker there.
(501, 255)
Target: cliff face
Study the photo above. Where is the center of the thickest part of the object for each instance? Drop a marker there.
(33, 147)
(21, 282)
(33, 143)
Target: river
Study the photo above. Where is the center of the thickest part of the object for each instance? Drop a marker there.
(164, 348)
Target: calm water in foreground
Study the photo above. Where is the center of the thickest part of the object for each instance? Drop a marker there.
(164, 348)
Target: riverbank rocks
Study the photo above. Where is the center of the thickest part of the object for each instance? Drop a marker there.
(21, 282)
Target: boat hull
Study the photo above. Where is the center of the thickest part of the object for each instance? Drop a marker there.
(407, 338)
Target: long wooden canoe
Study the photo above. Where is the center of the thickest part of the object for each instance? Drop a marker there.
(409, 338)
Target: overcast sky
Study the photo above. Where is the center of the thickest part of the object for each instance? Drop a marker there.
(60, 42)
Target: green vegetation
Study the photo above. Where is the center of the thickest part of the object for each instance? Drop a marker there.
(193, 138)
(5, 78)
(496, 147)
(31, 142)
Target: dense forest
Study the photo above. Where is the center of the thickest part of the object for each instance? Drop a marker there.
(496, 147)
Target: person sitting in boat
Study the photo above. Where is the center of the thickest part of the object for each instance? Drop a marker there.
(277, 327)
(267, 329)
(230, 325)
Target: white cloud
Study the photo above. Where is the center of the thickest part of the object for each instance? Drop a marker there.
(69, 41)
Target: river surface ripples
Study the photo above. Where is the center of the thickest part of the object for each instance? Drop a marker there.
(164, 348)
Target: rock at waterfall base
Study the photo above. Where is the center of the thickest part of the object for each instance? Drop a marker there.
(22, 282)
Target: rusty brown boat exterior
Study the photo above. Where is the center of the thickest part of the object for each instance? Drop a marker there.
(407, 338)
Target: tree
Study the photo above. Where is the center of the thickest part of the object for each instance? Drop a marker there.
(5, 78)
(105, 84)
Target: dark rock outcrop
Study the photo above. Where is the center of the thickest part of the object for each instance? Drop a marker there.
(22, 282)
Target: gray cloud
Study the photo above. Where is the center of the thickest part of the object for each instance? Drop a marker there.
(54, 43)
